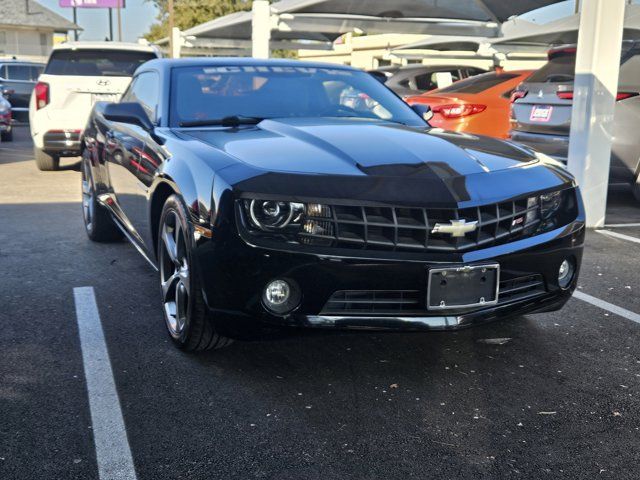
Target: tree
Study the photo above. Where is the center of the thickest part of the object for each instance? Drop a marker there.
(189, 13)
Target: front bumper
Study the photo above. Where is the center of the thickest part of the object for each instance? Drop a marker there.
(235, 273)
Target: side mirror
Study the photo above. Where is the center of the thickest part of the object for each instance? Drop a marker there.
(423, 110)
(131, 113)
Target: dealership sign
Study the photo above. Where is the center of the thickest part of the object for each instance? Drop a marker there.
(92, 3)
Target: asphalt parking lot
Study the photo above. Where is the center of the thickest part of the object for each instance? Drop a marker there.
(545, 396)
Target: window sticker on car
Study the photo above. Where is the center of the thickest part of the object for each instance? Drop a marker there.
(275, 69)
(541, 113)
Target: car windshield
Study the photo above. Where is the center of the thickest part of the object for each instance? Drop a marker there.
(273, 91)
(96, 62)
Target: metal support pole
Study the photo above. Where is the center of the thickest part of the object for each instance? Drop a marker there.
(75, 21)
(119, 17)
(171, 26)
(111, 24)
(595, 89)
(261, 29)
(176, 42)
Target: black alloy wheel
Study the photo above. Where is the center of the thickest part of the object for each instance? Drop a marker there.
(186, 316)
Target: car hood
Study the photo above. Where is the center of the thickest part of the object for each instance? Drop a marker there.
(357, 160)
(356, 147)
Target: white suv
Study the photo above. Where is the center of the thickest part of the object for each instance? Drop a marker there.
(77, 75)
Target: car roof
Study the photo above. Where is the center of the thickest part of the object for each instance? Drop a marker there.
(139, 47)
(436, 67)
(14, 61)
(168, 63)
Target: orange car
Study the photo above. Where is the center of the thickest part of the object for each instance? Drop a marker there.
(479, 104)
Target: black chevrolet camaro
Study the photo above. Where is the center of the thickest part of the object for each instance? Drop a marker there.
(301, 194)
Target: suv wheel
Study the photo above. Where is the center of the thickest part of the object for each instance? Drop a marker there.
(186, 316)
(44, 161)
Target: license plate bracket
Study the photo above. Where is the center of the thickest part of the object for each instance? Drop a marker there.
(463, 287)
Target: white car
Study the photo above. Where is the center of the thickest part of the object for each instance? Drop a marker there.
(77, 75)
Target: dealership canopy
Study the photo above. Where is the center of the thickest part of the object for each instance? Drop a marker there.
(316, 23)
(561, 32)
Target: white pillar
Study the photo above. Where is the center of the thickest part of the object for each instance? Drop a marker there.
(176, 42)
(595, 88)
(260, 29)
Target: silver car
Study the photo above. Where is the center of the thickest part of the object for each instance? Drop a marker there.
(541, 111)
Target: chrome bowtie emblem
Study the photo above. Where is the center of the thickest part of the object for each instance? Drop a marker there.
(457, 228)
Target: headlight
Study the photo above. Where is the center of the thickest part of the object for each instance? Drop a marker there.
(550, 210)
(290, 219)
(550, 203)
(270, 215)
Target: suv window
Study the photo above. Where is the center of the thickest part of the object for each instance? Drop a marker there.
(559, 69)
(478, 83)
(21, 72)
(145, 90)
(630, 69)
(96, 62)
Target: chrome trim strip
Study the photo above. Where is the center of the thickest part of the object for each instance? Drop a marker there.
(382, 322)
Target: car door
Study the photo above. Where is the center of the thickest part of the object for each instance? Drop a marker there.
(19, 79)
(125, 153)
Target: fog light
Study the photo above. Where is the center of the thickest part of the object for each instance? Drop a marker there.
(281, 296)
(565, 273)
(277, 293)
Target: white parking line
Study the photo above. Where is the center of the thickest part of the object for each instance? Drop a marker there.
(110, 436)
(622, 225)
(622, 312)
(620, 236)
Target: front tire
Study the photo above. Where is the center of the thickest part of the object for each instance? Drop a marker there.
(98, 224)
(186, 316)
(44, 161)
(7, 136)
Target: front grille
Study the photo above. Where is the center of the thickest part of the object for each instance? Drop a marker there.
(412, 229)
(375, 302)
(521, 288)
(413, 302)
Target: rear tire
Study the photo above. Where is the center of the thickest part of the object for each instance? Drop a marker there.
(98, 223)
(7, 136)
(44, 161)
(187, 318)
(635, 188)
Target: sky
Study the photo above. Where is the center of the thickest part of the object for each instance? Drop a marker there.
(136, 19)
(140, 14)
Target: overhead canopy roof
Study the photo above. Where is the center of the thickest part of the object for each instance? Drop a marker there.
(519, 37)
(561, 32)
(325, 20)
(514, 27)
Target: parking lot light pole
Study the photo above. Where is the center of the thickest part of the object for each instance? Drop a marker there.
(260, 29)
(595, 89)
(171, 24)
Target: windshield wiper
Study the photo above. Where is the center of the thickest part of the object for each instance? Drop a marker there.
(230, 121)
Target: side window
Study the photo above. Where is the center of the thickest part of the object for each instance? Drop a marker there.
(145, 90)
(3, 72)
(426, 81)
(18, 72)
